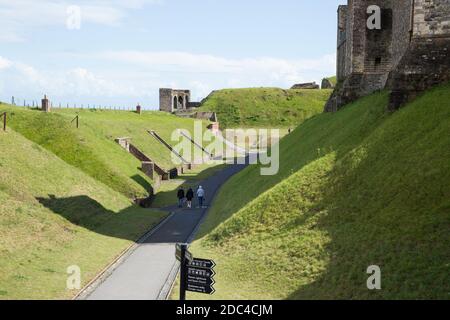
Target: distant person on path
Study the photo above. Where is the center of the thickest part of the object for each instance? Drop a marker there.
(200, 196)
(189, 197)
(181, 197)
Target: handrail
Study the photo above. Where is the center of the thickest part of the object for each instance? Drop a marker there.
(168, 146)
(195, 143)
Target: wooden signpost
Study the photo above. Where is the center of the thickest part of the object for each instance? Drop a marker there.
(197, 275)
(4, 120)
(77, 120)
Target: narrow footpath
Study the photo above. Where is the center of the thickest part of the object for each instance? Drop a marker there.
(149, 271)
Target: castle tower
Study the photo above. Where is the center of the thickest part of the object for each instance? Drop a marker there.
(427, 61)
(365, 56)
(46, 106)
(171, 100)
(408, 54)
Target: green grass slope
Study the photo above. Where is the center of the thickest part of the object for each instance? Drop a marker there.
(357, 188)
(52, 216)
(114, 124)
(92, 147)
(265, 107)
(333, 80)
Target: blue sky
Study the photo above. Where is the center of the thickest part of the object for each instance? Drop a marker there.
(125, 50)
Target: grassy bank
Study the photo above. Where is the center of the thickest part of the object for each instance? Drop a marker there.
(265, 107)
(92, 148)
(357, 188)
(52, 216)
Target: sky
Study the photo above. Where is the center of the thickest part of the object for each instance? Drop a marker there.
(120, 52)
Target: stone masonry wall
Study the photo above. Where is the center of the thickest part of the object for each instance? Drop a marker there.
(426, 64)
(171, 100)
(165, 100)
(349, 37)
(341, 43)
(427, 61)
(431, 17)
(370, 55)
(402, 27)
(409, 55)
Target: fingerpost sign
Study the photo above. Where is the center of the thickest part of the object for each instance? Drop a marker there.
(196, 275)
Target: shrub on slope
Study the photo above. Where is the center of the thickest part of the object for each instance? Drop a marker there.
(53, 216)
(357, 188)
(265, 107)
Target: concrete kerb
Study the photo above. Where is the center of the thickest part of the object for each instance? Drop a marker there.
(103, 275)
(170, 282)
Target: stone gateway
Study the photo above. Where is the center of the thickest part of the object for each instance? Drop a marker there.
(171, 100)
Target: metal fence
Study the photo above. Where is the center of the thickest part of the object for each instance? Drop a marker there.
(36, 103)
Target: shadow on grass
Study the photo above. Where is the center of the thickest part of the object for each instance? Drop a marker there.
(83, 211)
(388, 205)
(143, 182)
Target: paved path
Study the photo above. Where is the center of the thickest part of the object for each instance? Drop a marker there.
(143, 275)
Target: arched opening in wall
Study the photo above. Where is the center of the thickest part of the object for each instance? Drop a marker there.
(187, 101)
(180, 102)
(175, 102)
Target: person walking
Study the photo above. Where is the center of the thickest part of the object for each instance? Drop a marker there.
(181, 197)
(201, 196)
(189, 197)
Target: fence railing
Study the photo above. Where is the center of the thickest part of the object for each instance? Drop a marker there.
(33, 103)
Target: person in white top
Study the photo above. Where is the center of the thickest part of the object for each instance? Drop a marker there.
(201, 196)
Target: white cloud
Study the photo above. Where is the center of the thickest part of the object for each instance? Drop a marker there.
(19, 16)
(132, 76)
(263, 70)
(76, 85)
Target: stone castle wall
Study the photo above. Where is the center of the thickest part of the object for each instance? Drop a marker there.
(171, 100)
(165, 100)
(342, 43)
(367, 60)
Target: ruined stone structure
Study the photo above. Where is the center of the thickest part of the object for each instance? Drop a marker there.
(156, 172)
(407, 55)
(171, 100)
(427, 60)
(326, 84)
(309, 85)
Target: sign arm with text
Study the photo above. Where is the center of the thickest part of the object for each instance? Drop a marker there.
(197, 275)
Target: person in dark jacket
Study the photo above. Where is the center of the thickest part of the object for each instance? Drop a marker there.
(189, 197)
(181, 197)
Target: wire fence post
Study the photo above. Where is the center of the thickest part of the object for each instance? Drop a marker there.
(4, 121)
(77, 121)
